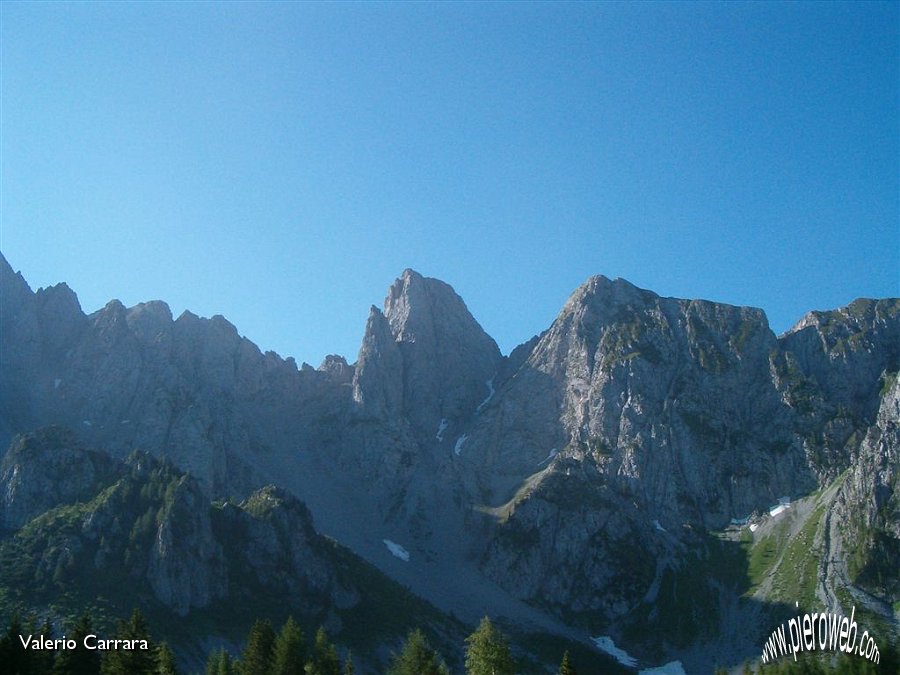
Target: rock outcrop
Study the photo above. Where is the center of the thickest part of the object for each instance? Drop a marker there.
(190, 389)
(47, 468)
(572, 474)
(144, 524)
(867, 509)
(425, 360)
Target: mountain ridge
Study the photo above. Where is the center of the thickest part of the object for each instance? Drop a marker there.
(561, 485)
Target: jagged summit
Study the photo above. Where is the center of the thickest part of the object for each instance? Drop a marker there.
(600, 292)
(579, 474)
(418, 307)
(425, 357)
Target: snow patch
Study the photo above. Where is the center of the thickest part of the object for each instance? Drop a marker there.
(440, 432)
(396, 550)
(658, 526)
(671, 668)
(754, 527)
(490, 386)
(605, 643)
(87, 423)
(459, 444)
(553, 452)
(784, 503)
(56, 383)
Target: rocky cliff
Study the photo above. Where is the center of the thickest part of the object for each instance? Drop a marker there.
(146, 523)
(190, 389)
(576, 475)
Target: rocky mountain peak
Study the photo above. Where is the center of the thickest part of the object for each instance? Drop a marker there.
(417, 307)
(337, 368)
(445, 358)
(377, 382)
(45, 468)
(12, 281)
(148, 320)
(59, 299)
(844, 351)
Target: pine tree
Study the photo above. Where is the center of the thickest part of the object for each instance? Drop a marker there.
(13, 657)
(290, 649)
(258, 656)
(219, 662)
(78, 661)
(487, 651)
(417, 658)
(165, 661)
(324, 659)
(42, 660)
(566, 667)
(135, 661)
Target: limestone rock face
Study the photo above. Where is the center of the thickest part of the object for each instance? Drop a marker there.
(425, 359)
(572, 474)
(190, 389)
(46, 468)
(832, 364)
(283, 550)
(145, 524)
(844, 351)
(424, 369)
(652, 415)
(378, 380)
(186, 566)
(669, 400)
(867, 509)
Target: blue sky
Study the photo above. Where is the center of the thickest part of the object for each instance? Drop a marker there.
(282, 163)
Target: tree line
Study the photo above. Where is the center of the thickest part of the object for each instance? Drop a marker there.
(265, 652)
(286, 652)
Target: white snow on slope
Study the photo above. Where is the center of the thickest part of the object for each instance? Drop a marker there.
(671, 668)
(490, 386)
(396, 550)
(784, 503)
(549, 456)
(440, 432)
(658, 526)
(56, 383)
(459, 443)
(605, 643)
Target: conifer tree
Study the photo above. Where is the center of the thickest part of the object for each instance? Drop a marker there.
(165, 661)
(219, 662)
(487, 651)
(42, 660)
(566, 667)
(78, 661)
(417, 658)
(289, 650)
(324, 659)
(258, 656)
(135, 661)
(12, 655)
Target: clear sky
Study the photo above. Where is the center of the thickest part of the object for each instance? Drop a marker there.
(282, 163)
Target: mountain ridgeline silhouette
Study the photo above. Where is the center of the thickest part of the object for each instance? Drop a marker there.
(568, 487)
